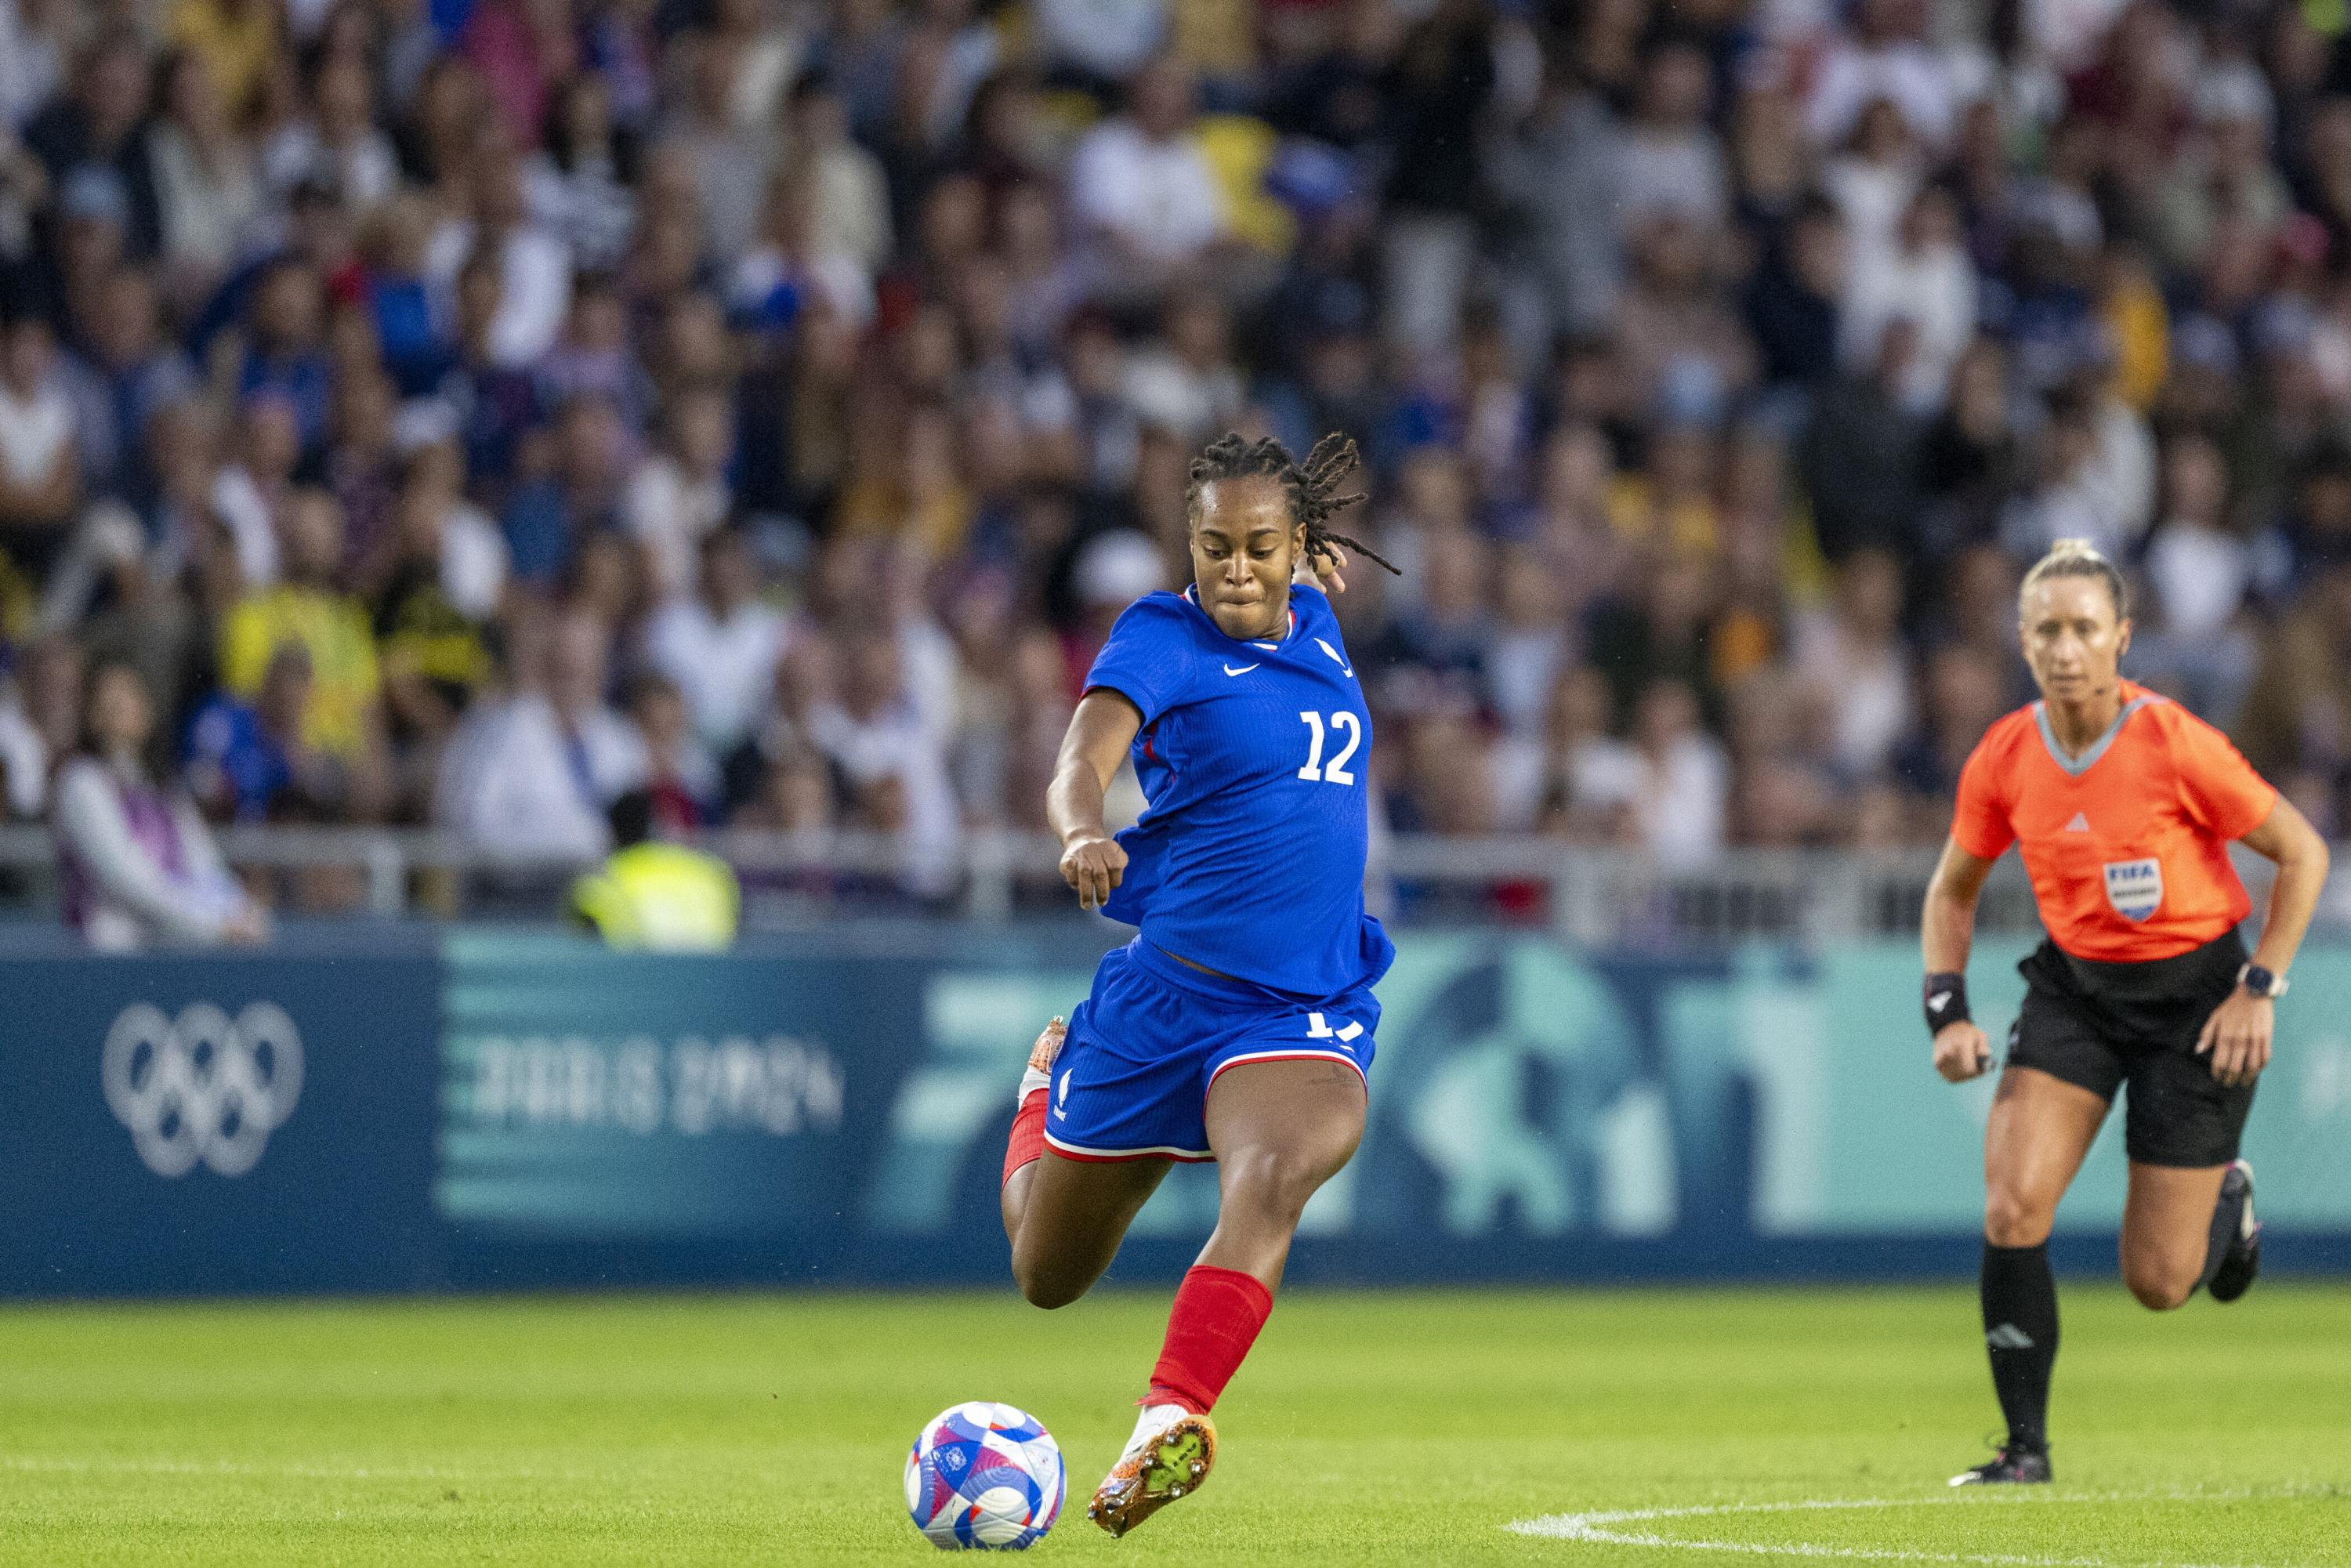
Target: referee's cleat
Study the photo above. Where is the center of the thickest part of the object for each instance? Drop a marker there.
(2243, 1261)
(2013, 1466)
(1167, 1459)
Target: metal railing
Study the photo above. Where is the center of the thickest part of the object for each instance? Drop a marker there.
(1600, 896)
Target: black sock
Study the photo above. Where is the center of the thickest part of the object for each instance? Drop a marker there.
(2227, 1214)
(2020, 1318)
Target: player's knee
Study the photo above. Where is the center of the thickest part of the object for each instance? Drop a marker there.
(1044, 1287)
(2160, 1284)
(1045, 1281)
(1274, 1182)
(2012, 1218)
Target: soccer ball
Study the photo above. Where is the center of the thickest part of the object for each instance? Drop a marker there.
(983, 1475)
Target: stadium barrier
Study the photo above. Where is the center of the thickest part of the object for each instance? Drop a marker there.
(484, 1108)
(1595, 896)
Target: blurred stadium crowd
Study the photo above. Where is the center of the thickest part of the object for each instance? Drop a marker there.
(461, 412)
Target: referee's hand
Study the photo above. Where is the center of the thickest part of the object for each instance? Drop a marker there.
(1961, 1051)
(2237, 1036)
(1093, 865)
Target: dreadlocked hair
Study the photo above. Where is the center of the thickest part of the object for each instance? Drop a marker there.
(1311, 486)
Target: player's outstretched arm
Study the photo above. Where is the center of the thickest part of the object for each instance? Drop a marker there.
(1101, 730)
(1946, 932)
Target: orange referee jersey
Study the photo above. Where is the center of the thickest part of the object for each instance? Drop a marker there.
(2127, 844)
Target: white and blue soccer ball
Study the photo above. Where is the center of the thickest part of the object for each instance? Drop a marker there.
(983, 1475)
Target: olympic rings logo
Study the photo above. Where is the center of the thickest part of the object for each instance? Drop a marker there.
(202, 1086)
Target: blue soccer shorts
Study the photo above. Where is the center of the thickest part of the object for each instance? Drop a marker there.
(1132, 1079)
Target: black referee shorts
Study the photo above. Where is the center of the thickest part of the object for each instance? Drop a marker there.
(2101, 1026)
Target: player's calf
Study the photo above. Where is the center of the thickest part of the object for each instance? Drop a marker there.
(1027, 1143)
(1030, 1101)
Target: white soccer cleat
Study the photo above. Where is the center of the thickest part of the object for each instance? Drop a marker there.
(1040, 1073)
(1168, 1457)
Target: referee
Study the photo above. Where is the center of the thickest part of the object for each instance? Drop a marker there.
(2123, 804)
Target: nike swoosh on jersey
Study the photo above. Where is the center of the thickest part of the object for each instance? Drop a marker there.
(1244, 670)
(1344, 668)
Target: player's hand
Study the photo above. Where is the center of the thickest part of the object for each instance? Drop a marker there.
(1094, 864)
(2237, 1036)
(1321, 569)
(1961, 1051)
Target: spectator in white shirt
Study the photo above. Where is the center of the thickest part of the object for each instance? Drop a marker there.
(534, 262)
(851, 193)
(471, 550)
(139, 863)
(40, 474)
(1576, 779)
(1185, 381)
(1679, 814)
(579, 183)
(1139, 185)
(206, 196)
(2192, 637)
(679, 495)
(24, 757)
(720, 645)
(249, 490)
(1530, 643)
(533, 775)
(340, 143)
(1107, 39)
(1668, 159)
(1872, 180)
(1851, 661)
(1926, 278)
(1882, 56)
(876, 739)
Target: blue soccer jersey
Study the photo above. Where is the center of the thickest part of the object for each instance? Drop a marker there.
(1253, 756)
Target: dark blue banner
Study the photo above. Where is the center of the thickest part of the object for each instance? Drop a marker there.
(516, 1110)
(218, 1123)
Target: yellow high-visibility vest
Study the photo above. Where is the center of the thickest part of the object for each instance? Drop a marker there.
(662, 898)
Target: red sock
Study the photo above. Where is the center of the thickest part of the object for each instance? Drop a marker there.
(1028, 1133)
(1215, 1321)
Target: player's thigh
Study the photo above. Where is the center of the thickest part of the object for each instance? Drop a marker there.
(2167, 1230)
(1075, 1214)
(1280, 1128)
(2040, 1130)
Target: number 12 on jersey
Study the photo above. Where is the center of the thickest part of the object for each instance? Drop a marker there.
(1335, 770)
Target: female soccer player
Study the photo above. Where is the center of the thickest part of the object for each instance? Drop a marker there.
(1237, 1026)
(2124, 805)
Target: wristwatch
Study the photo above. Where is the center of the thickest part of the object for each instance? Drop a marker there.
(2260, 982)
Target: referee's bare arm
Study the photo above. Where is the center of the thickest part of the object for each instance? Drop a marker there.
(1946, 932)
(2237, 1035)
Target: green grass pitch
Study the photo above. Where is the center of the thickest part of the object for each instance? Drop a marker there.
(1403, 1428)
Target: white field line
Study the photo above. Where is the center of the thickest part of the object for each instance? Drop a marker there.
(66, 1464)
(1598, 1528)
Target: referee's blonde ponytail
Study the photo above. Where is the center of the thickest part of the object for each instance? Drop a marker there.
(2079, 558)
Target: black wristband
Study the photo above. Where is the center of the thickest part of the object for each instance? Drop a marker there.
(1946, 1001)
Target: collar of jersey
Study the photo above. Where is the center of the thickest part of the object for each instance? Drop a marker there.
(2077, 766)
(1193, 588)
